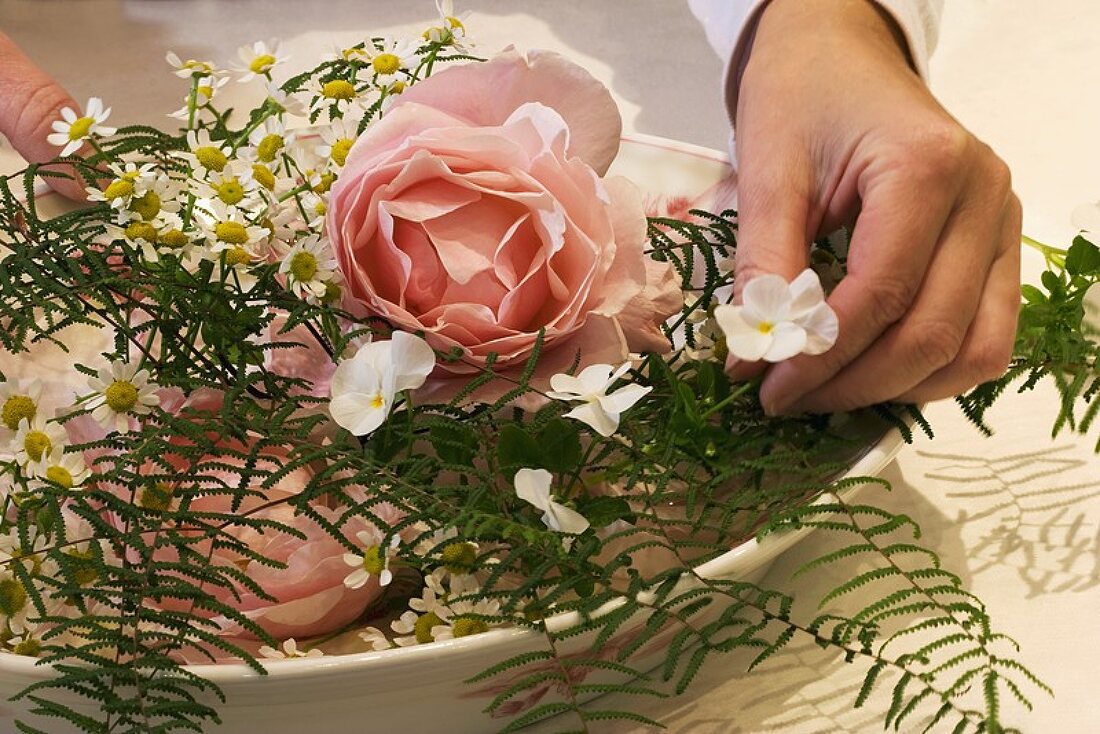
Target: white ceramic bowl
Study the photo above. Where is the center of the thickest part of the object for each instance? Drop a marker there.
(420, 689)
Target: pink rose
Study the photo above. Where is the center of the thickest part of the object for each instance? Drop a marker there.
(475, 212)
(310, 596)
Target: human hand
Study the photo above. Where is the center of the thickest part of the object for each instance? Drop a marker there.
(833, 126)
(30, 101)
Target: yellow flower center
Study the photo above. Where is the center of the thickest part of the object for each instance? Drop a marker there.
(16, 408)
(373, 563)
(156, 497)
(205, 90)
(332, 294)
(386, 63)
(80, 128)
(455, 24)
(340, 150)
(36, 444)
(119, 189)
(140, 231)
(325, 183)
(350, 53)
(377, 402)
(320, 208)
(261, 63)
(263, 176)
(211, 157)
(269, 147)
(237, 256)
(175, 239)
(303, 266)
(29, 647)
(81, 567)
(147, 206)
(122, 396)
(765, 327)
(465, 626)
(202, 67)
(60, 475)
(459, 558)
(397, 87)
(338, 89)
(13, 597)
(232, 232)
(231, 192)
(422, 628)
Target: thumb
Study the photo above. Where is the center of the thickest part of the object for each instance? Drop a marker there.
(774, 230)
(30, 101)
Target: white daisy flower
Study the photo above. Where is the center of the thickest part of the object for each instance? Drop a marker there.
(258, 60)
(289, 651)
(533, 486)
(315, 207)
(309, 266)
(15, 603)
(599, 409)
(72, 130)
(338, 93)
(27, 643)
(158, 198)
(413, 631)
(131, 180)
(268, 142)
(206, 155)
(226, 227)
(19, 401)
(233, 266)
(122, 391)
(376, 638)
(777, 320)
(205, 91)
(235, 186)
(395, 56)
(337, 139)
(291, 104)
(374, 560)
(190, 67)
(353, 53)
(35, 440)
(65, 469)
(451, 29)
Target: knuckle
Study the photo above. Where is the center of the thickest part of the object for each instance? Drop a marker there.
(890, 297)
(941, 152)
(39, 106)
(991, 359)
(937, 343)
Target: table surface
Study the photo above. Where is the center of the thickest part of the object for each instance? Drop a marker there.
(1016, 515)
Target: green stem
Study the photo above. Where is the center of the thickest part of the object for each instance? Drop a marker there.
(744, 388)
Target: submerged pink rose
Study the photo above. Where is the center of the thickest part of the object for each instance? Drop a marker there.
(475, 212)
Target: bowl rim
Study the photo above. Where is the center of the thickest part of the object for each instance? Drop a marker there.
(873, 460)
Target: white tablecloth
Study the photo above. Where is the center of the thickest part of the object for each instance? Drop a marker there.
(1017, 515)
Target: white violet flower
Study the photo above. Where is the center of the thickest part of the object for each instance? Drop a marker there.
(72, 130)
(365, 386)
(533, 485)
(777, 320)
(599, 409)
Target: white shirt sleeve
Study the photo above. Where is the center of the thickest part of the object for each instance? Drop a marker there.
(730, 25)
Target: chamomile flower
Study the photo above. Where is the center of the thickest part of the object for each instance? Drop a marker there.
(122, 392)
(190, 67)
(308, 267)
(131, 180)
(227, 228)
(258, 60)
(315, 207)
(19, 401)
(157, 198)
(395, 56)
(28, 642)
(267, 142)
(340, 94)
(465, 619)
(14, 603)
(67, 470)
(290, 104)
(206, 155)
(233, 266)
(205, 91)
(451, 30)
(337, 140)
(234, 186)
(415, 629)
(376, 638)
(289, 651)
(72, 130)
(35, 440)
(373, 561)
